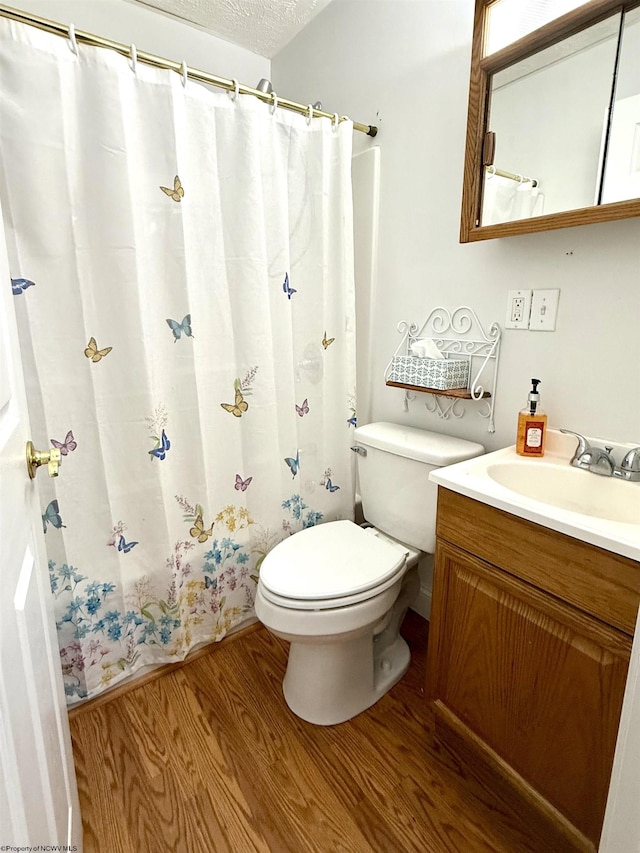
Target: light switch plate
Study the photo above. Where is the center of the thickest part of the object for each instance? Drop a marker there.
(544, 310)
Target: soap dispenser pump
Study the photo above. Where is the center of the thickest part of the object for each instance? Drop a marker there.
(532, 425)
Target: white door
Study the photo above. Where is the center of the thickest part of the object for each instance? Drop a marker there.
(38, 795)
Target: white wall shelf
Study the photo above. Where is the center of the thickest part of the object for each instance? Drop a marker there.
(458, 334)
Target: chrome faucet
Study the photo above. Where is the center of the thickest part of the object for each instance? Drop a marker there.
(600, 461)
(630, 466)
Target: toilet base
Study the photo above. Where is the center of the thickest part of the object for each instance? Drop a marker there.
(329, 683)
(330, 680)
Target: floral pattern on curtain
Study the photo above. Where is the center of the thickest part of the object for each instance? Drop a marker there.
(182, 265)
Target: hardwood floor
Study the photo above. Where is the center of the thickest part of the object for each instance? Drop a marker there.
(208, 759)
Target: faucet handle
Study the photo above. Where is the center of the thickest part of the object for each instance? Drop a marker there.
(631, 461)
(583, 444)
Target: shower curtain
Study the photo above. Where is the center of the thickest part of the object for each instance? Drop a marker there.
(505, 200)
(182, 266)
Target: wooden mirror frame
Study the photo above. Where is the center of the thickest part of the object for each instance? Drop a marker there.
(482, 68)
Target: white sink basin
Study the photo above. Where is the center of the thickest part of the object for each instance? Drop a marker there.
(570, 489)
(604, 511)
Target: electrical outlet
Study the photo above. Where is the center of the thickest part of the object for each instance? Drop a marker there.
(518, 309)
(544, 310)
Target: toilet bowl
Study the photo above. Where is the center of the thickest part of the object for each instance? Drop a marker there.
(338, 592)
(343, 627)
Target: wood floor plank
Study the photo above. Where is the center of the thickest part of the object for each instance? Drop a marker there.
(234, 734)
(196, 754)
(155, 808)
(98, 787)
(307, 804)
(293, 790)
(221, 826)
(385, 825)
(138, 792)
(145, 714)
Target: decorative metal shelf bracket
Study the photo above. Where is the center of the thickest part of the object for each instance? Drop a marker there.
(460, 334)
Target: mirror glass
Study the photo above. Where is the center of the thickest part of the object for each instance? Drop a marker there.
(549, 113)
(622, 160)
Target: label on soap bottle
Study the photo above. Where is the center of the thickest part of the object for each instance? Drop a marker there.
(533, 435)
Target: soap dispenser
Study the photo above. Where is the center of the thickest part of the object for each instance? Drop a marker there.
(532, 425)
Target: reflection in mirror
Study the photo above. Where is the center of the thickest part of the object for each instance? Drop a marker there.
(622, 163)
(547, 113)
(508, 21)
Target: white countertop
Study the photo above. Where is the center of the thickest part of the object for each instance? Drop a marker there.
(600, 496)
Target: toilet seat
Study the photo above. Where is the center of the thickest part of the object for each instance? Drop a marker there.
(330, 565)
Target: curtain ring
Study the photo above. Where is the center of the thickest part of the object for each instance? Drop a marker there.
(309, 113)
(236, 90)
(335, 122)
(73, 44)
(184, 73)
(520, 178)
(274, 103)
(134, 58)
(491, 170)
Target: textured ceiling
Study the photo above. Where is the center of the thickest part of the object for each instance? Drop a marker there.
(261, 26)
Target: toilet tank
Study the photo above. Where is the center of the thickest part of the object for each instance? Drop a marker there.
(397, 496)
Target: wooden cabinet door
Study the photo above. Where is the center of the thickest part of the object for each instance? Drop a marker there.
(538, 682)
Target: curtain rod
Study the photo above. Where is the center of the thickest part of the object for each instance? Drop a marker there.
(160, 62)
(511, 175)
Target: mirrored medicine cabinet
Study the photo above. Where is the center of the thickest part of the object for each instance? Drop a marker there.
(553, 131)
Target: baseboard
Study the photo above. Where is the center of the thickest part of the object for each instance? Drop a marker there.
(422, 603)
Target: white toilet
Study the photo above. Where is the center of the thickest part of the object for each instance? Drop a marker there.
(338, 592)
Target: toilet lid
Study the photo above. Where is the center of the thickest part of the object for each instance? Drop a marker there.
(334, 560)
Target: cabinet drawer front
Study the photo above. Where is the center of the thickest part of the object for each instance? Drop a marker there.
(599, 582)
(540, 683)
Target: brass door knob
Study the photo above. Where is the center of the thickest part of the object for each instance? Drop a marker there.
(36, 458)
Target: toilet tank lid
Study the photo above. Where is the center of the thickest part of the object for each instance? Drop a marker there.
(419, 444)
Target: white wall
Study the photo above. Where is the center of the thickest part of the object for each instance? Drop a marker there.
(404, 65)
(153, 32)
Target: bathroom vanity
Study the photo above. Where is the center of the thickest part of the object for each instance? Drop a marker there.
(529, 647)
